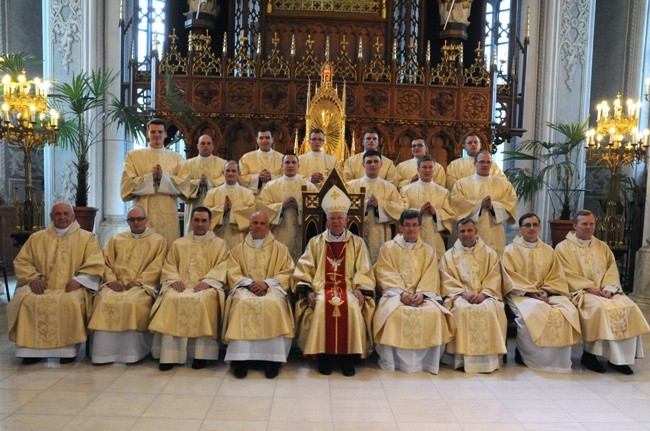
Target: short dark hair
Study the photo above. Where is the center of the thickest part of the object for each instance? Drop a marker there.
(410, 214)
(371, 130)
(158, 122)
(528, 215)
(482, 152)
(229, 162)
(265, 129)
(202, 210)
(465, 220)
(291, 153)
(471, 134)
(425, 158)
(316, 130)
(582, 213)
(371, 153)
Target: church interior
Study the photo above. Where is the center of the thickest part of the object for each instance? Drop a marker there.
(509, 71)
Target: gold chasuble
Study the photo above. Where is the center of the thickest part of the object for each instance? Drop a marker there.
(231, 225)
(129, 259)
(480, 328)
(409, 168)
(192, 314)
(376, 224)
(56, 318)
(353, 169)
(464, 167)
(333, 269)
(417, 194)
(554, 323)
(158, 198)
(251, 317)
(592, 264)
(314, 162)
(400, 269)
(466, 199)
(253, 162)
(285, 223)
(193, 169)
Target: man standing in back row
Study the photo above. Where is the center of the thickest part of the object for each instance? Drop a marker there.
(257, 168)
(151, 179)
(464, 167)
(354, 166)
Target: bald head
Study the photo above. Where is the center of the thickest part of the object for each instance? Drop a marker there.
(259, 225)
(205, 145)
(137, 219)
(62, 215)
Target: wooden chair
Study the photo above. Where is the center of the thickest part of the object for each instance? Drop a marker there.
(3, 268)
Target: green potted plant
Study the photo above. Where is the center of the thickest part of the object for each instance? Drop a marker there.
(87, 108)
(559, 171)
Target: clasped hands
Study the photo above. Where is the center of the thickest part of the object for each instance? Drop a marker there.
(265, 176)
(311, 297)
(473, 298)
(179, 286)
(414, 299)
(118, 286)
(258, 287)
(599, 292)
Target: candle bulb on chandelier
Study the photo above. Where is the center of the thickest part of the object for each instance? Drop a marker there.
(5, 112)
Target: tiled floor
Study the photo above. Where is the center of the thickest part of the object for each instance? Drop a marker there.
(81, 396)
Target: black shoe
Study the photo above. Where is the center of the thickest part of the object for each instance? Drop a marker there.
(590, 361)
(272, 370)
(347, 367)
(31, 361)
(624, 369)
(324, 365)
(240, 370)
(197, 364)
(518, 358)
(66, 360)
(165, 367)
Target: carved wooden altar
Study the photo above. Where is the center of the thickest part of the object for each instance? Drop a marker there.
(406, 85)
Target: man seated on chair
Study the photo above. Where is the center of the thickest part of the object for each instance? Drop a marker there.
(538, 294)
(612, 324)
(335, 284)
(56, 270)
(411, 327)
(258, 323)
(186, 317)
(120, 318)
(471, 286)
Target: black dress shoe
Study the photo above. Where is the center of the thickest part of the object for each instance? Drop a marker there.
(325, 365)
(624, 369)
(197, 364)
(240, 369)
(31, 361)
(66, 360)
(272, 370)
(165, 367)
(590, 361)
(347, 368)
(518, 358)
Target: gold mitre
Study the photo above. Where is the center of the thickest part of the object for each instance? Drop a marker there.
(335, 200)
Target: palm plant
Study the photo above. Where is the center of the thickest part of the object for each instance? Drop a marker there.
(559, 171)
(87, 108)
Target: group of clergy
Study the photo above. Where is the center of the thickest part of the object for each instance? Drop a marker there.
(240, 278)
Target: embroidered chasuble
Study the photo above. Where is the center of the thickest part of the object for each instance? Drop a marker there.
(464, 167)
(253, 162)
(285, 223)
(159, 199)
(417, 194)
(377, 221)
(189, 313)
(56, 318)
(129, 259)
(466, 199)
(312, 163)
(480, 328)
(593, 265)
(400, 269)
(409, 168)
(333, 269)
(353, 169)
(193, 169)
(252, 317)
(554, 323)
(231, 225)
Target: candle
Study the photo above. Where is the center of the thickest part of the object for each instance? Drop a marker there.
(5, 112)
(122, 10)
(428, 55)
(394, 50)
(5, 84)
(32, 113)
(293, 44)
(360, 51)
(224, 49)
(599, 108)
(54, 118)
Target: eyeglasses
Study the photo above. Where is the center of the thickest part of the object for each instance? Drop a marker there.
(418, 146)
(530, 225)
(484, 162)
(132, 219)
